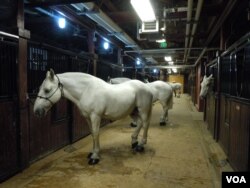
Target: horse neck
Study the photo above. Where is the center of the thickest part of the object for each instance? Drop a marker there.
(73, 87)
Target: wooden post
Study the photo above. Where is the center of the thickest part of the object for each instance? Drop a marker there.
(91, 46)
(120, 60)
(22, 86)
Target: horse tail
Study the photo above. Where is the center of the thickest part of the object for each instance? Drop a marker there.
(170, 101)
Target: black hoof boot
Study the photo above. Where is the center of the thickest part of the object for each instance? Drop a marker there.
(93, 161)
(134, 145)
(162, 123)
(139, 149)
(133, 125)
(89, 155)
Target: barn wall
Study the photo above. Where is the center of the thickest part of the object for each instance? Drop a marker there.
(9, 140)
(227, 109)
(62, 125)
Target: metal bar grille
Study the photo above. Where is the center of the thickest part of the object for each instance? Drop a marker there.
(8, 58)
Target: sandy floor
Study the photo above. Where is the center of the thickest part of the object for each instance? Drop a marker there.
(181, 154)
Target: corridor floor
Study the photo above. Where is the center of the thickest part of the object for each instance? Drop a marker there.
(181, 154)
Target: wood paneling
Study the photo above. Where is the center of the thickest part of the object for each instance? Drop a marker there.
(239, 136)
(8, 140)
(80, 127)
(210, 113)
(49, 133)
(224, 124)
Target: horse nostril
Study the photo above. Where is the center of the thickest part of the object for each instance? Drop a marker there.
(39, 112)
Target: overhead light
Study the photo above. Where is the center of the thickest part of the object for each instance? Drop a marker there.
(174, 70)
(155, 70)
(138, 62)
(8, 34)
(168, 58)
(62, 23)
(106, 45)
(170, 62)
(144, 10)
(161, 40)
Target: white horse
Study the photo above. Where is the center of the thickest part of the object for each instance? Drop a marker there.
(176, 88)
(205, 85)
(117, 80)
(97, 99)
(161, 91)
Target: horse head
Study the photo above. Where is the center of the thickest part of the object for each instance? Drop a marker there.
(49, 93)
(205, 84)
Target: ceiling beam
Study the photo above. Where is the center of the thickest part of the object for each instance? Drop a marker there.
(47, 3)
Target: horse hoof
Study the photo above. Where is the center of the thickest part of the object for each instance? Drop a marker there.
(89, 155)
(93, 161)
(162, 123)
(134, 145)
(139, 148)
(133, 125)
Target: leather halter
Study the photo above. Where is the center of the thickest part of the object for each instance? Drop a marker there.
(60, 86)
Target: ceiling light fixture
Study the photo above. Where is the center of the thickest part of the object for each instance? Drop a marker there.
(62, 23)
(170, 62)
(144, 10)
(168, 58)
(106, 45)
(161, 40)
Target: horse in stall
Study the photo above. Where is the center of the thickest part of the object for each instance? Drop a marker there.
(161, 91)
(205, 85)
(97, 99)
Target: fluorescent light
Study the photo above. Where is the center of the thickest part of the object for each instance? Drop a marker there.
(168, 58)
(161, 40)
(106, 45)
(62, 23)
(138, 62)
(144, 10)
(174, 70)
(8, 34)
(155, 70)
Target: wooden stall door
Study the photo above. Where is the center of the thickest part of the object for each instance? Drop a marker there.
(210, 113)
(51, 132)
(79, 125)
(239, 136)
(8, 140)
(224, 123)
(9, 159)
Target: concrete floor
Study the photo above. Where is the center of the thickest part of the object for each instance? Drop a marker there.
(181, 154)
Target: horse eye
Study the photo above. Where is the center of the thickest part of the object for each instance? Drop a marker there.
(46, 90)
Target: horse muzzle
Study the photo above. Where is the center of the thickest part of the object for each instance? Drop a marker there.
(39, 112)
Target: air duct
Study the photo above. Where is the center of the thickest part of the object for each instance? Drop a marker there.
(189, 15)
(196, 19)
(104, 21)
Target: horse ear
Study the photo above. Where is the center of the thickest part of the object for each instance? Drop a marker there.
(50, 74)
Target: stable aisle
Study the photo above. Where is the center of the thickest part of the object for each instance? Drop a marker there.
(181, 154)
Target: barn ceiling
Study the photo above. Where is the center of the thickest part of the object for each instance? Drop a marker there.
(191, 28)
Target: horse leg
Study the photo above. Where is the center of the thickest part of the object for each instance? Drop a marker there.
(95, 127)
(133, 123)
(145, 124)
(164, 117)
(134, 116)
(135, 134)
(144, 117)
